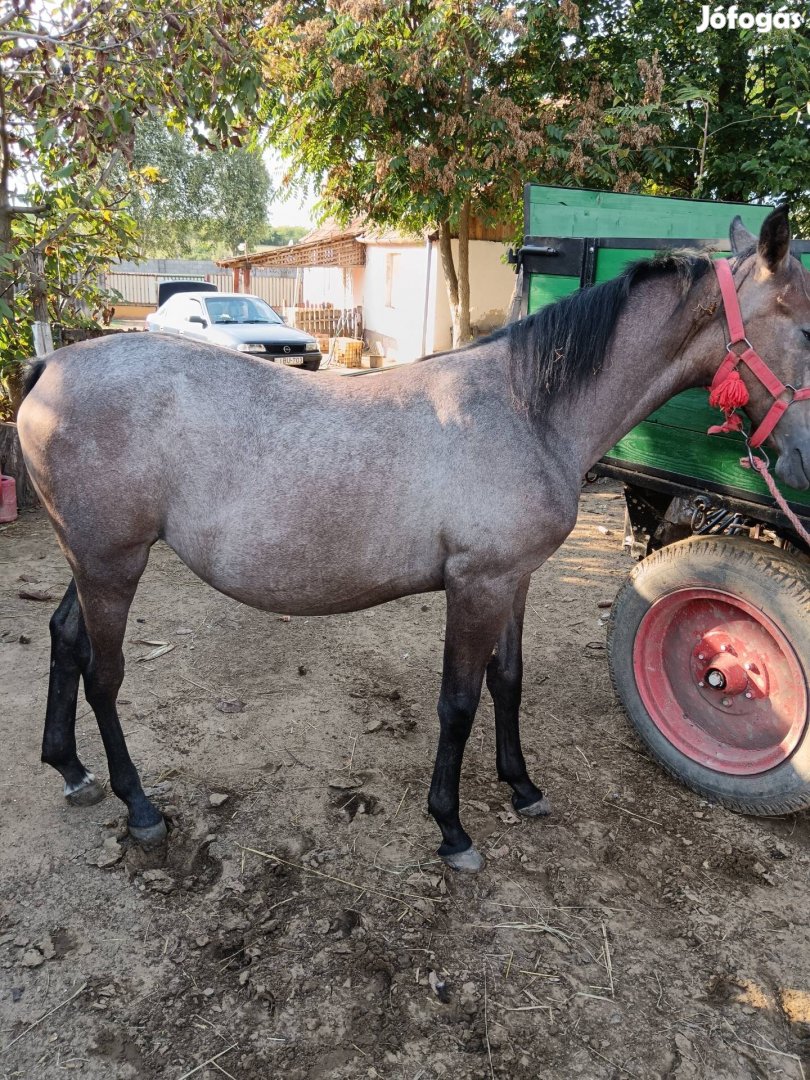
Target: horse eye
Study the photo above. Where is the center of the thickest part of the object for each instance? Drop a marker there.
(806, 334)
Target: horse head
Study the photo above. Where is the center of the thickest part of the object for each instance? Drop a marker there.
(774, 297)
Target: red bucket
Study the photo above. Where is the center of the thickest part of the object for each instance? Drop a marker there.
(8, 499)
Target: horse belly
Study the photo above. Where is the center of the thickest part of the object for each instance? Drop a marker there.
(300, 574)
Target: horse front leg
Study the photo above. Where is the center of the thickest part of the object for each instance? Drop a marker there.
(505, 684)
(476, 614)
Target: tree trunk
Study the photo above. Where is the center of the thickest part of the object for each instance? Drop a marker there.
(464, 329)
(12, 464)
(43, 338)
(457, 282)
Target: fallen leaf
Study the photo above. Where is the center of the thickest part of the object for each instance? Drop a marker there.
(155, 653)
(233, 705)
(35, 594)
(345, 783)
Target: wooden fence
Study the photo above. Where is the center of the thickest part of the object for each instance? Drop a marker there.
(326, 321)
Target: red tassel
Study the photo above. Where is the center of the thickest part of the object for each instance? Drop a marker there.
(731, 394)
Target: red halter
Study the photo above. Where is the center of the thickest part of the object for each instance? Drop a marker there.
(728, 392)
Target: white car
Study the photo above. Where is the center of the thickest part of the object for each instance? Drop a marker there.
(237, 321)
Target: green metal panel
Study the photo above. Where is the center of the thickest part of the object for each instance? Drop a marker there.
(554, 211)
(546, 288)
(673, 441)
(611, 261)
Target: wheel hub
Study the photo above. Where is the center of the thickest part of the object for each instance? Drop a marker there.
(720, 681)
(726, 667)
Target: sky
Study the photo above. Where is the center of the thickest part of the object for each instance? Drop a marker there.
(297, 207)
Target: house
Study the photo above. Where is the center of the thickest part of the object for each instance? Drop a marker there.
(390, 283)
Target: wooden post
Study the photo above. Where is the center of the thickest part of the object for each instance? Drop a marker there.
(236, 276)
(246, 277)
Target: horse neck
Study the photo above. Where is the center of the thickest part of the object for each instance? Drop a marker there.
(663, 344)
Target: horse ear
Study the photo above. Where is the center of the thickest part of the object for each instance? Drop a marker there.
(741, 239)
(774, 239)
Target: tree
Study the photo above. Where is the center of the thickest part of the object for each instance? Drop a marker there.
(737, 115)
(74, 79)
(196, 202)
(282, 235)
(423, 113)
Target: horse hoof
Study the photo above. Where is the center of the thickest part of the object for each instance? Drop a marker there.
(541, 808)
(149, 835)
(468, 862)
(86, 793)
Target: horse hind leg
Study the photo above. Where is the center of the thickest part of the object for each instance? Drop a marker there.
(105, 592)
(70, 653)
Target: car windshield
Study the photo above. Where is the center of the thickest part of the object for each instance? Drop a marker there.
(240, 309)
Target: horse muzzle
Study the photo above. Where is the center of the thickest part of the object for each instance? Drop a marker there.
(793, 466)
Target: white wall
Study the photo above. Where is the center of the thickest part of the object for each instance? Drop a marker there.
(328, 285)
(400, 323)
(395, 314)
(491, 285)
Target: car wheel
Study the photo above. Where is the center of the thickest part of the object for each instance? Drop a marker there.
(312, 365)
(709, 653)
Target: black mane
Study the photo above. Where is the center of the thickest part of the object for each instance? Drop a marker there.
(562, 346)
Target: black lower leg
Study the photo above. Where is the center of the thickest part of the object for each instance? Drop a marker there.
(477, 609)
(455, 717)
(69, 652)
(101, 689)
(505, 684)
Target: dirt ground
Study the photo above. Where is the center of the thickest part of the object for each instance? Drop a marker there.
(297, 923)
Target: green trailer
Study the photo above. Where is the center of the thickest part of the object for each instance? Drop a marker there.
(709, 642)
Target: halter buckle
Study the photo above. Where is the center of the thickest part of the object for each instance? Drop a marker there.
(740, 341)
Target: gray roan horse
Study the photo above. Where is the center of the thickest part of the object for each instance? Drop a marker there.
(483, 448)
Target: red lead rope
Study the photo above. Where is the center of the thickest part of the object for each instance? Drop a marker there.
(728, 392)
(761, 467)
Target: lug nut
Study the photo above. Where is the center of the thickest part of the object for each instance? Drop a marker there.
(701, 683)
(700, 656)
(748, 694)
(727, 701)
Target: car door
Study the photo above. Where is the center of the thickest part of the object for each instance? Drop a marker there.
(166, 318)
(193, 309)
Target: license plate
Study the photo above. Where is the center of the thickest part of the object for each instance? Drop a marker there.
(289, 360)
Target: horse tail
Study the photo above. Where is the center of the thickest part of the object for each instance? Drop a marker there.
(31, 376)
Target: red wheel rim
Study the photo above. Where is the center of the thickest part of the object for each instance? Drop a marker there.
(720, 681)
